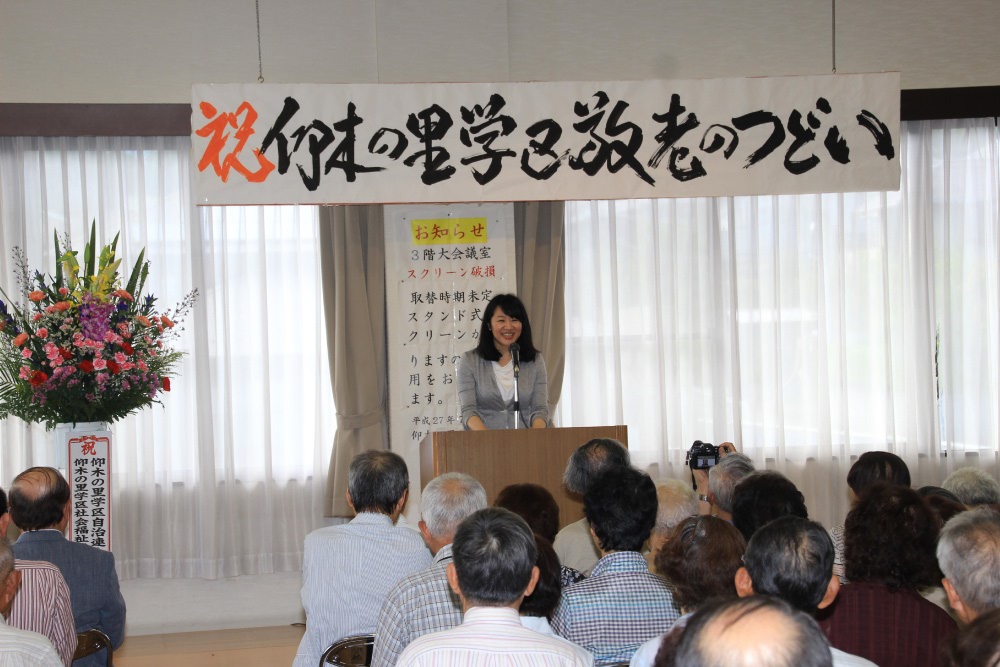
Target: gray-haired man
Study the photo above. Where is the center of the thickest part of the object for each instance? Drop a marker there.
(348, 569)
(969, 555)
(424, 602)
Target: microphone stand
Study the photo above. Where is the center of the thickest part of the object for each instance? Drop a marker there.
(515, 354)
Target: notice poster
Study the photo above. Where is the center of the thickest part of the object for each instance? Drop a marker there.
(443, 265)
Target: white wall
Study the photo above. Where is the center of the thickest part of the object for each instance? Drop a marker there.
(113, 51)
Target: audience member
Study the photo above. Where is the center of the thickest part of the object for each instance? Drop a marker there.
(763, 496)
(493, 569)
(752, 632)
(675, 501)
(973, 487)
(721, 483)
(700, 560)
(43, 602)
(792, 559)
(536, 609)
(573, 544)
(20, 648)
(871, 468)
(423, 602)
(968, 552)
(928, 492)
(977, 645)
(539, 509)
(40, 505)
(348, 569)
(622, 604)
(945, 509)
(890, 537)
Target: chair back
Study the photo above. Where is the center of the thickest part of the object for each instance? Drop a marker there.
(90, 642)
(354, 651)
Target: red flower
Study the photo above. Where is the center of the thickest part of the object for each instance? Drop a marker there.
(114, 368)
(128, 349)
(64, 353)
(86, 366)
(166, 384)
(38, 378)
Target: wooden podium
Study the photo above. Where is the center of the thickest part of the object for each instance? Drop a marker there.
(499, 458)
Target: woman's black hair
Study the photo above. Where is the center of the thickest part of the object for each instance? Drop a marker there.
(513, 308)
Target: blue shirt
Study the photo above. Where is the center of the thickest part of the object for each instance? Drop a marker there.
(347, 571)
(620, 606)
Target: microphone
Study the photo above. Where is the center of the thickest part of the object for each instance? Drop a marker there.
(515, 356)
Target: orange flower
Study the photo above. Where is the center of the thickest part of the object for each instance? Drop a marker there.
(143, 320)
(63, 305)
(36, 296)
(167, 322)
(122, 294)
(21, 339)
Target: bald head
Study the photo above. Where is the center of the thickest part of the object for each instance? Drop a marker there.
(38, 499)
(752, 632)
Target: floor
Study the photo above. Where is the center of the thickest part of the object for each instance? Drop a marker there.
(246, 647)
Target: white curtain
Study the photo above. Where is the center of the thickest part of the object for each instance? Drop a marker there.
(226, 478)
(802, 328)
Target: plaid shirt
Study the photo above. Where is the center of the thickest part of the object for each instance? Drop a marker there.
(616, 609)
(420, 604)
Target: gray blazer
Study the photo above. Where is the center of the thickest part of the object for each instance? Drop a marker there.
(93, 584)
(479, 394)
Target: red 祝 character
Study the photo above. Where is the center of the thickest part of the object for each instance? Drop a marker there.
(218, 129)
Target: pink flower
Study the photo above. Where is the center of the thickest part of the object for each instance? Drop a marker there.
(100, 364)
(42, 332)
(26, 353)
(36, 317)
(127, 366)
(120, 357)
(142, 366)
(24, 373)
(63, 291)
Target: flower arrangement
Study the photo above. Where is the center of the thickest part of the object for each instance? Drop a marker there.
(81, 347)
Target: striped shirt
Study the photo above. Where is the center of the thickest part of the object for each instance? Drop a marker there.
(23, 648)
(493, 637)
(43, 605)
(420, 604)
(620, 606)
(347, 571)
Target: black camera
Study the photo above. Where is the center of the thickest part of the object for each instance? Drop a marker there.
(702, 455)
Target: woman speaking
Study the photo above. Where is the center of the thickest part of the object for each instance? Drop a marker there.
(486, 373)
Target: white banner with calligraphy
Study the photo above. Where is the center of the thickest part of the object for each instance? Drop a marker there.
(384, 143)
(88, 449)
(442, 266)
